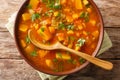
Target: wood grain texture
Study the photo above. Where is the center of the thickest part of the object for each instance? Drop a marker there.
(91, 72)
(110, 10)
(16, 70)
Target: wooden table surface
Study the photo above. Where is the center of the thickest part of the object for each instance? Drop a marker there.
(13, 67)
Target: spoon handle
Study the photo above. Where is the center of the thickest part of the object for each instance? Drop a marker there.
(101, 63)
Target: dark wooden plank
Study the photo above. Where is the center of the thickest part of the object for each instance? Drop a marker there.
(17, 70)
(114, 52)
(110, 10)
(91, 72)
(7, 46)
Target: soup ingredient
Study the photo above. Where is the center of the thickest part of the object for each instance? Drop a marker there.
(35, 16)
(44, 33)
(78, 4)
(34, 3)
(23, 28)
(26, 16)
(34, 53)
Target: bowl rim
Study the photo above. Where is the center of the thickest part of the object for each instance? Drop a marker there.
(101, 35)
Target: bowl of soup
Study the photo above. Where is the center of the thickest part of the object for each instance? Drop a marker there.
(77, 24)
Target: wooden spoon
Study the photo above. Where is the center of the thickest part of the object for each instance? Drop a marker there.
(101, 63)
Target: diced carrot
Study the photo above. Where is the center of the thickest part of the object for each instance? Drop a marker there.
(42, 53)
(78, 4)
(49, 63)
(34, 3)
(52, 29)
(44, 33)
(26, 16)
(23, 27)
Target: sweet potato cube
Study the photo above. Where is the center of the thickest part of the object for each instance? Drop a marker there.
(63, 56)
(95, 34)
(49, 63)
(52, 29)
(78, 4)
(23, 27)
(22, 42)
(26, 16)
(34, 3)
(61, 36)
(42, 53)
(29, 48)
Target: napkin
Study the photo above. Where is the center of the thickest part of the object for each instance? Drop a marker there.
(105, 46)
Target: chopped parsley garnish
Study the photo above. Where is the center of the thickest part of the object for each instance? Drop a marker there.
(34, 53)
(85, 15)
(80, 42)
(27, 39)
(59, 54)
(81, 60)
(61, 26)
(42, 29)
(55, 60)
(35, 16)
(72, 61)
(70, 27)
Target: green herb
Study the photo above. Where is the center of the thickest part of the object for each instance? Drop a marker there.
(34, 53)
(81, 60)
(27, 39)
(80, 42)
(71, 61)
(71, 38)
(49, 13)
(55, 60)
(57, 6)
(82, 15)
(29, 6)
(35, 16)
(61, 26)
(42, 29)
(59, 54)
(70, 27)
(85, 15)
